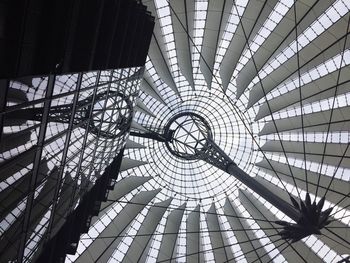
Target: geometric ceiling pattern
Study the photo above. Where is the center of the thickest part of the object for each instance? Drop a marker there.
(271, 78)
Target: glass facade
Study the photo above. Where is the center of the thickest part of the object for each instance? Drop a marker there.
(59, 134)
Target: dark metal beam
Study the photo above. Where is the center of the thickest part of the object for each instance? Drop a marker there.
(36, 165)
(258, 188)
(64, 156)
(150, 135)
(217, 157)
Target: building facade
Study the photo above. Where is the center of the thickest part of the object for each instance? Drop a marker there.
(70, 76)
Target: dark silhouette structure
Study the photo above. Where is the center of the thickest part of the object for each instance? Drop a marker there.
(70, 74)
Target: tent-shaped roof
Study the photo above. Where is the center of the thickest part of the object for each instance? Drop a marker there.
(272, 80)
